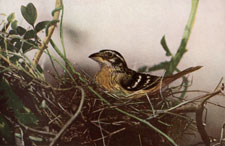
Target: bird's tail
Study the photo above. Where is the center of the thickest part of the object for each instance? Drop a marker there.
(163, 82)
(174, 77)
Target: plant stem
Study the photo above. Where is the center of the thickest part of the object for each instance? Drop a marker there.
(187, 32)
(48, 37)
(61, 30)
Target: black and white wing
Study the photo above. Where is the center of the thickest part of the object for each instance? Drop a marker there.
(135, 81)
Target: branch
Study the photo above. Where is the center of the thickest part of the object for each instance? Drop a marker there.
(48, 37)
(72, 118)
(199, 121)
(35, 130)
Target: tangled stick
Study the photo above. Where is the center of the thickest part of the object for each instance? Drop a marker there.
(72, 118)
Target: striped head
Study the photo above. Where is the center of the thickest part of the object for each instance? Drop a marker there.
(109, 58)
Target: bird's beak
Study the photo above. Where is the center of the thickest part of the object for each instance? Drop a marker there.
(96, 56)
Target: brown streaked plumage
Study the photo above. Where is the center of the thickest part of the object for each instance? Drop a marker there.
(115, 76)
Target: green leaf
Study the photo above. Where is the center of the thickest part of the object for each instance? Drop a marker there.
(40, 26)
(11, 17)
(162, 65)
(12, 32)
(142, 69)
(14, 24)
(27, 46)
(20, 30)
(29, 34)
(165, 47)
(18, 46)
(29, 13)
(15, 104)
(39, 68)
(16, 42)
(14, 59)
(5, 27)
(11, 47)
(6, 130)
(2, 45)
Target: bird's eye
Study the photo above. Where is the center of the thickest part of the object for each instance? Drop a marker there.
(110, 54)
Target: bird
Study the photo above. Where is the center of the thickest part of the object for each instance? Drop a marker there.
(117, 78)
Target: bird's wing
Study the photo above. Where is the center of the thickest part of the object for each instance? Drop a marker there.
(138, 81)
(135, 81)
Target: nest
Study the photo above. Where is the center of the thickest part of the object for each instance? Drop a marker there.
(79, 112)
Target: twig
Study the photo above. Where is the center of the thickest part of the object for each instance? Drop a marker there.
(218, 105)
(219, 84)
(199, 115)
(30, 74)
(56, 118)
(35, 130)
(111, 134)
(100, 127)
(72, 118)
(152, 107)
(186, 108)
(97, 125)
(222, 134)
(22, 136)
(160, 90)
(201, 127)
(140, 141)
(134, 117)
(206, 96)
(48, 37)
(177, 92)
(64, 110)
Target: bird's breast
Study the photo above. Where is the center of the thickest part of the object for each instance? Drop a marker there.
(109, 79)
(103, 78)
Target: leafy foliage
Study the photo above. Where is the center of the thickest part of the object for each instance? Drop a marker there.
(21, 112)
(171, 65)
(41, 25)
(15, 41)
(11, 17)
(19, 39)
(165, 47)
(6, 130)
(29, 13)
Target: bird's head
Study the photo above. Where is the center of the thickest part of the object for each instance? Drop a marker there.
(109, 58)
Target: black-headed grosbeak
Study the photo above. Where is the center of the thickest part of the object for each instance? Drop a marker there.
(115, 76)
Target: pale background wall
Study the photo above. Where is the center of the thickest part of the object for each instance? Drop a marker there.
(135, 28)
